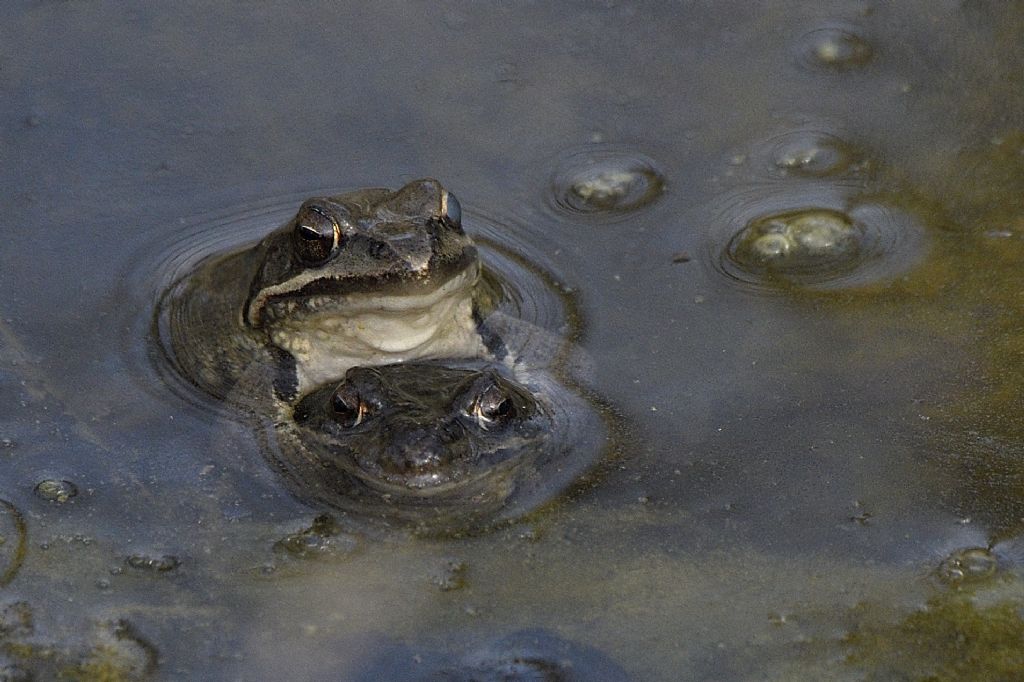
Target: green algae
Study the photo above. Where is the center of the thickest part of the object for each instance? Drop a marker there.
(952, 638)
(968, 295)
(113, 652)
(986, 281)
(977, 430)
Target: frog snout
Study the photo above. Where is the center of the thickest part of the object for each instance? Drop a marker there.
(419, 449)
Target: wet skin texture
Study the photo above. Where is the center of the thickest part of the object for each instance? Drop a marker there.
(422, 426)
(438, 445)
(364, 278)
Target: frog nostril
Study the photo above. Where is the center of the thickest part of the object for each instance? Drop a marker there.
(422, 460)
(414, 458)
(380, 250)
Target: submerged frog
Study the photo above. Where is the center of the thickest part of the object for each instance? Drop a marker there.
(526, 656)
(446, 446)
(370, 277)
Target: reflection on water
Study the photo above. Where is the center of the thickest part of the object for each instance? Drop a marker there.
(823, 480)
(834, 47)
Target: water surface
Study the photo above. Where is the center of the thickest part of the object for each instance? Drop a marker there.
(802, 461)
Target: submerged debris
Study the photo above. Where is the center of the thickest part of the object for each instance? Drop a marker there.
(451, 575)
(157, 564)
(323, 536)
(970, 565)
(55, 490)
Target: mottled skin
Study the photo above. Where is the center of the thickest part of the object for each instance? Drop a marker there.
(421, 426)
(369, 277)
(447, 446)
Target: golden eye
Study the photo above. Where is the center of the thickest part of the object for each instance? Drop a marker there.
(493, 404)
(349, 409)
(316, 235)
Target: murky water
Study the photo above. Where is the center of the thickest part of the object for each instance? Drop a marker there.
(820, 475)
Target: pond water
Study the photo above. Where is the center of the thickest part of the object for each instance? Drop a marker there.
(794, 232)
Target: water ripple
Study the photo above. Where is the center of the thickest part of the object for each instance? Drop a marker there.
(812, 237)
(603, 182)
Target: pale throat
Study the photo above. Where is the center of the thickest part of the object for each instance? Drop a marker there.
(374, 329)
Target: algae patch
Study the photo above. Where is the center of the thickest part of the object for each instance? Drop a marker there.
(952, 638)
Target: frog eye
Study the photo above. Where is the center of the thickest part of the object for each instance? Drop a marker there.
(492, 404)
(316, 236)
(349, 408)
(451, 210)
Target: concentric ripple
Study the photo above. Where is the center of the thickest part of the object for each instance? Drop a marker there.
(161, 266)
(810, 154)
(812, 240)
(529, 290)
(604, 182)
(835, 47)
(803, 151)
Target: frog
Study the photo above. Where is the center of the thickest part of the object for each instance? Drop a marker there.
(368, 277)
(438, 445)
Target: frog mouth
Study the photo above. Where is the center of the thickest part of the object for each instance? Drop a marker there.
(458, 482)
(269, 309)
(475, 494)
(310, 294)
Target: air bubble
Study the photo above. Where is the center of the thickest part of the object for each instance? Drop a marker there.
(14, 533)
(835, 47)
(807, 244)
(602, 181)
(156, 564)
(811, 154)
(769, 239)
(323, 536)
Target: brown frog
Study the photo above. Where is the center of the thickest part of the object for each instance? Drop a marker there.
(370, 277)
